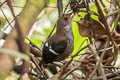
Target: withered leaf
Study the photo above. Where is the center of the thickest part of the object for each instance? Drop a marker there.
(92, 29)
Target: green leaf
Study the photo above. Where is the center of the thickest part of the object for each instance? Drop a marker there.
(2, 34)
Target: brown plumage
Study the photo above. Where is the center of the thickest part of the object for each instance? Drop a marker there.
(60, 45)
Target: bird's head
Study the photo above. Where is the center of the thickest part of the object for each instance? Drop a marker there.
(65, 19)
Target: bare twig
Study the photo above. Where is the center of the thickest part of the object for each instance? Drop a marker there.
(6, 17)
(116, 21)
(2, 3)
(98, 63)
(70, 71)
(108, 76)
(105, 8)
(39, 68)
(26, 21)
(51, 32)
(112, 9)
(102, 17)
(112, 13)
(60, 7)
(22, 46)
(10, 23)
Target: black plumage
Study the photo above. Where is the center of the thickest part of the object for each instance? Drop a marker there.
(59, 48)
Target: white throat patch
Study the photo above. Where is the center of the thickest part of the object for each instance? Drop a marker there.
(50, 49)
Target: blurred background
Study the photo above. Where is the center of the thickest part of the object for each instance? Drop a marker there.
(44, 23)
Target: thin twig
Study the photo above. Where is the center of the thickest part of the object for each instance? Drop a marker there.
(5, 17)
(116, 21)
(2, 3)
(102, 17)
(105, 49)
(112, 13)
(36, 63)
(93, 49)
(99, 62)
(105, 8)
(108, 76)
(70, 71)
(51, 32)
(72, 57)
(60, 7)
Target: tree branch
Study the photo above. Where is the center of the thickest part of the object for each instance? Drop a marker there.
(34, 7)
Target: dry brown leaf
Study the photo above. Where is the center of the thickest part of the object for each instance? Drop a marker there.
(92, 29)
(116, 37)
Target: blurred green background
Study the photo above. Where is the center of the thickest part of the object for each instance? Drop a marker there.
(45, 22)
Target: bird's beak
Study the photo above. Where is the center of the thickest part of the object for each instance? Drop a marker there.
(71, 16)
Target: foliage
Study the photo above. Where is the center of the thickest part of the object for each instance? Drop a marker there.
(101, 45)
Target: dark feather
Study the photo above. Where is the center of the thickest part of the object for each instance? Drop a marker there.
(58, 47)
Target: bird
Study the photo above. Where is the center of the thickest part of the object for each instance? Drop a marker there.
(61, 44)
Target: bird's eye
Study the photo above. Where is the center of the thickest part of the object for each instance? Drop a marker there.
(65, 18)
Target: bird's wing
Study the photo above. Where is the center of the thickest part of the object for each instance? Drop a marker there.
(59, 47)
